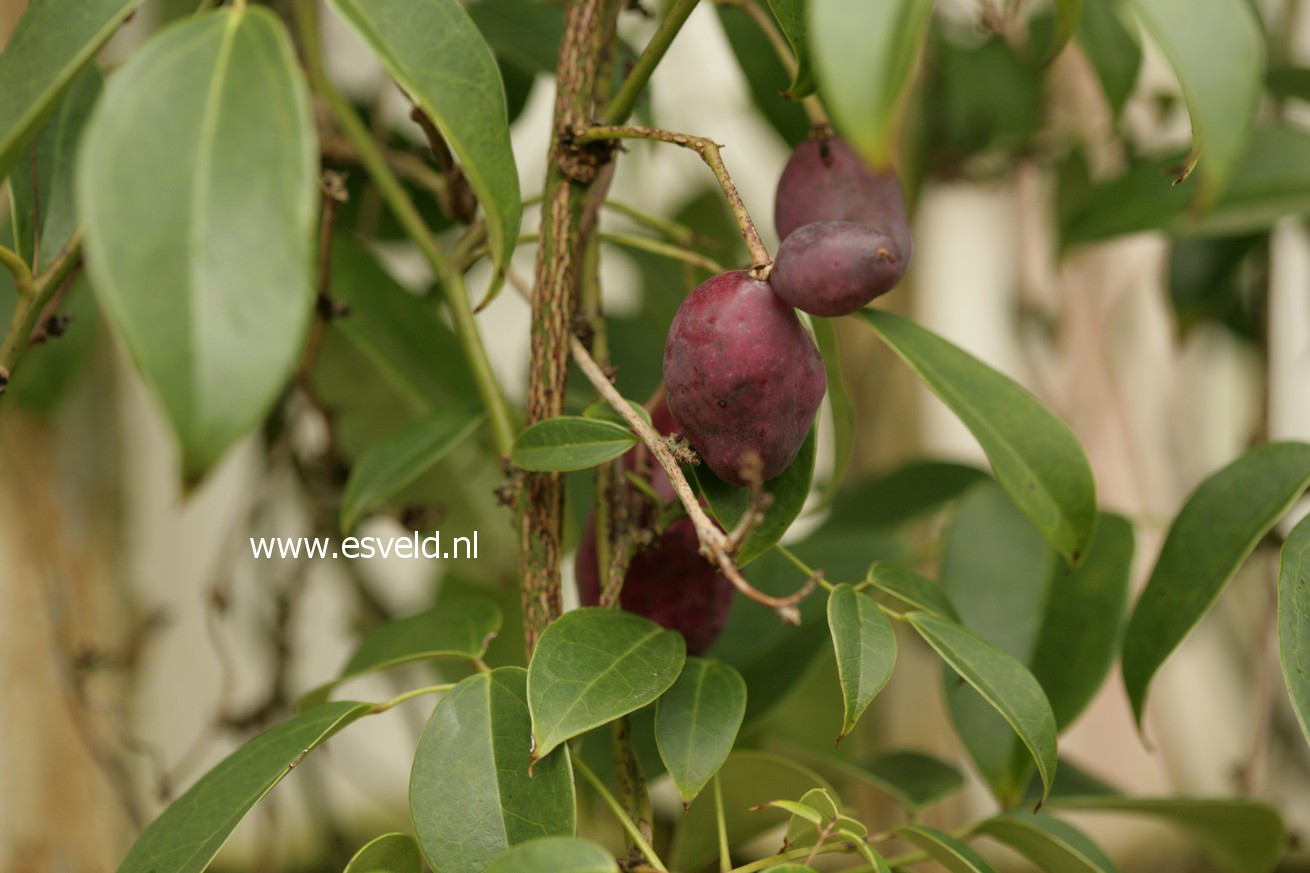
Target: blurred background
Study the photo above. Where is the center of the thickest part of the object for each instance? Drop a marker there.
(140, 642)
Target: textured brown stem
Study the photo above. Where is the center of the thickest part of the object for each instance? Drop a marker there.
(571, 176)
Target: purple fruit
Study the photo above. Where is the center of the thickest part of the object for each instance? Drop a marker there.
(742, 376)
(670, 583)
(825, 181)
(833, 268)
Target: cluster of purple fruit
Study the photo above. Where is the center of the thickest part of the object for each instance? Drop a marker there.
(743, 376)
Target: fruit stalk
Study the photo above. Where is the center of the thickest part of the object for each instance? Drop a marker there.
(761, 262)
(717, 546)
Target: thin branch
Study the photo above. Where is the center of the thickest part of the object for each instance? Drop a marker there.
(32, 302)
(664, 250)
(451, 280)
(621, 106)
(22, 273)
(721, 825)
(717, 546)
(628, 824)
(761, 262)
(810, 572)
(409, 695)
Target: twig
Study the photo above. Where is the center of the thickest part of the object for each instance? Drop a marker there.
(33, 294)
(628, 824)
(620, 107)
(721, 825)
(409, 695)
(761, 262)
(717, 546)
(451, 280)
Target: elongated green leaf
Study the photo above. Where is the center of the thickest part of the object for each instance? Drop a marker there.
(748, 779)
(437, 55)
(1037, 459)
(570, 443)
(1245, 836)
(865, 646)
(864, 55)
(592, 666)
(952, 854)
(401, 458)
(1002, 681)
(198, 186)
(909, 587)
(788, 489)
(839, 402)
(802, 811)
(555, 855)
(1219, 525)
(459, 629)
(1067, 15)
(41, 187)
(791, 16)
(914, 780)
(187, 835)
(902, 494)
(696, 723)
(1271, 180)
(470, 792)
(389, 853)
(52, 41)
(602, 411)
(1222, 99)
(1010, 587)
(1048, 842)
(1112, 49)
(1294, 619)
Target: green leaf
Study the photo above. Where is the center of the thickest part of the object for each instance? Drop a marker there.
(188, 834)
(527, 33)
(696, 723)
(790, 868)
(912, 779)
(555, 855)
(1219, 525)
(1294, 619)
(389, 853)
(864, 54)
(1002, 681)
(788, 489)
(801, 830)
(570, 443)
(1010, 587)
(802, 811)
(902, 494)
(839, 402)
(198, 184)
(1067, 15)
(47, 196)
(470, 792)
(593, 665)
(1036, 457)
(50, 43)
(765, 75)
(865, 646)
(1112, 49)
(791, 15)
(398, 460)
(952, 854)
(748, 779)
(459, 629)
(602, 411)
(909, 587)
(1244, 836)
(1222, 98)
(1048, 842)
(1270, 181)
(436, 54)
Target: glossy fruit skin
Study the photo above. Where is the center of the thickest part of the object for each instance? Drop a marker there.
(741, 375)
(824, 180)
(670, 583)
(833, 268)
